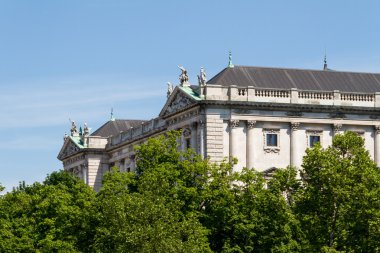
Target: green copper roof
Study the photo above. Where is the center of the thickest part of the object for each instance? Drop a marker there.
(190, 92)
(77, 140)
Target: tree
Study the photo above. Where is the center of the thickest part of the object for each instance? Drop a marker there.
(49, 217)
(153, 210)
(338, 203)
(243, 215)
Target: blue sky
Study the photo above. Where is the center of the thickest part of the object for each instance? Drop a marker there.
(77, 59)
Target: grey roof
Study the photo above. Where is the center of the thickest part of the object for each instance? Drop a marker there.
(114, 127)
(303, 79)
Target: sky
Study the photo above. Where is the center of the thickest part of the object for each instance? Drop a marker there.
(77, 59)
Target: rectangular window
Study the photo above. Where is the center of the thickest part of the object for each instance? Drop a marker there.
(188, 143)
(271, 140)
(314, 139)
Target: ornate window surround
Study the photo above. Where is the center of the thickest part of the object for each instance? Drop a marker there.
(313, 132)
(271, 149)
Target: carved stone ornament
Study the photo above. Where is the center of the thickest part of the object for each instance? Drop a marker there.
(275, 150)
(177, 104)
(234, 123)
(337, 127)
(251, 124)
(186, 133)
(70, 149)
(377, 129)
(294, 126)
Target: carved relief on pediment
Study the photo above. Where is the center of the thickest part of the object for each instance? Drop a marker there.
(70, 149)
(177, 104)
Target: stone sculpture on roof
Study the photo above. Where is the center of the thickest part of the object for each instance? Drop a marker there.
(202, 77)
(86, 130)
(73, 130)
(170, 89)
(183, 77)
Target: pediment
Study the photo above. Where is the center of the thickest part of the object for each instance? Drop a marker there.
(69, 148)
(177, 101)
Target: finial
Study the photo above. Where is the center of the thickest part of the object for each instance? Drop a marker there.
(325, 62)
(65, 136)
(112, 117)
(230, 65)
(80, 131)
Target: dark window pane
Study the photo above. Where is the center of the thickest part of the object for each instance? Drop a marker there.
(313, 139)
(272, 140)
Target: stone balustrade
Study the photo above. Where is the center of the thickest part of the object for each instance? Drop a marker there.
(137, 132)
(292, 96)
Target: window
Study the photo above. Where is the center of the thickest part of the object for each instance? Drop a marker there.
(271, 140)
(314, 139)
(188, 143)
(313, 136)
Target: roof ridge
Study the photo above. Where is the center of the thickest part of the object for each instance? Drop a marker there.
(317, 70)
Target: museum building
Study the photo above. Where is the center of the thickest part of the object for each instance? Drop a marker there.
(265, 117)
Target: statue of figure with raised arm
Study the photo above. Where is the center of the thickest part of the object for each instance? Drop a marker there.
(202, 77)
(183, 77)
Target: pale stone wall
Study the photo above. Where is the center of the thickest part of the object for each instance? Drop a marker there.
(97, 166)
(214, 138)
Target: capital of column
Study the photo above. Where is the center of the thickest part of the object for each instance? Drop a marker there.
(377, 129)
(234, 123)
(202, 123)
(337, 127)
(251, 124)
(294, 126)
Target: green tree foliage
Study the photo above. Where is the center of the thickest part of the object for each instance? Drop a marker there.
(338, 204)
(178, 202)
(155, 209)
(244, 215)
(48, 217)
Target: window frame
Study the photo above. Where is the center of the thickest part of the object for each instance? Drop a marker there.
(313, 132)
(271, 148)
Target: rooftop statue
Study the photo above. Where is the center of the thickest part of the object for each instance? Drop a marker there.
(170, 89)
(86, 130)
(73, 130)
(202, 77)
(183, 77)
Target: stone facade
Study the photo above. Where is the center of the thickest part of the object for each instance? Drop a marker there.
(264, 128)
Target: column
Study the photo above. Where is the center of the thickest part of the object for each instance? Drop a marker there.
(295, 156)
(233, 142)
(193, 140)
(377, 145)
(250, 145)
(201, 129)
(84, 173)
